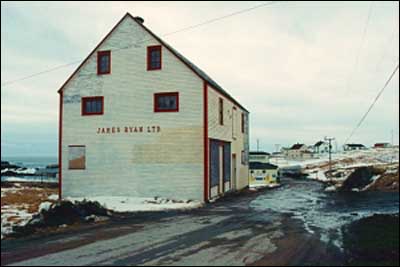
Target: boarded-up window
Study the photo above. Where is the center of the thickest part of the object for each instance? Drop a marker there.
(77, 157)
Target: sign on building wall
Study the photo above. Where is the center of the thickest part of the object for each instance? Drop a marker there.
(129, 129)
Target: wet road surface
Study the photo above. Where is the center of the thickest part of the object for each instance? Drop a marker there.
(228, 232)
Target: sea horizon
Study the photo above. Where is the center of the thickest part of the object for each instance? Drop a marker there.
(31, 161)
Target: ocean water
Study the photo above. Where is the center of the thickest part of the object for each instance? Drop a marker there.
(31, 162)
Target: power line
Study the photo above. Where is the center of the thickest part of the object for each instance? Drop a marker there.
(224, 17)
(356, 63)
(40, 73)
(7, 83)
(373, 103)
(390, 40)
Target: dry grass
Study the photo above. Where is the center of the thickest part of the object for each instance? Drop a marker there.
(388, 182)
(27, 198)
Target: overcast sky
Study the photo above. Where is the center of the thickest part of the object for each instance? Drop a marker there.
(292, 64)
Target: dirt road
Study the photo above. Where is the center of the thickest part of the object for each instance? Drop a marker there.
(228, 232)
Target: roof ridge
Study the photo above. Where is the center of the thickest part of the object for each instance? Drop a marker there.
(202, 74)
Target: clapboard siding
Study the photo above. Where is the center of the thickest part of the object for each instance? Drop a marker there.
(168, 163)
(226, 132)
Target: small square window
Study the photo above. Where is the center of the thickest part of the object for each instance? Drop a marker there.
(77, 157)
(166, 102)
(154, 57)
(103, 62)
(92, 105)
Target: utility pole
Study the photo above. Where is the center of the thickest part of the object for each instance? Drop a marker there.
(277, 147)
(258, 145)
(330, 139)
(392, 133)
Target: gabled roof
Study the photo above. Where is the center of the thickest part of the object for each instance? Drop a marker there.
(355, 145)
(262, 166)
(202, 75)
(296, 146)
(319, 143)
(384, 143)
(259, 153)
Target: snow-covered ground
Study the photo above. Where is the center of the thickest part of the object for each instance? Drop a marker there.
(135, 204)
(265, 186)
(355, 158)
(343, 164)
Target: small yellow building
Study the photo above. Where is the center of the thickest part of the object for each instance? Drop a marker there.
(263, 174)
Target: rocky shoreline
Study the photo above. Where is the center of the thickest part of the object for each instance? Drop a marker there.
(378, 177)
(12, 170)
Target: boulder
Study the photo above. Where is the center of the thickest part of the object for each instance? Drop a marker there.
(358, 179)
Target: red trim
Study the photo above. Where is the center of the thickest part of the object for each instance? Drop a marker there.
(157, 109)
(60, 114)
(221, 111)
(99, 55)
(159, 40)
(205, 142)
(149, 50)
(93, 51)
(91, 98)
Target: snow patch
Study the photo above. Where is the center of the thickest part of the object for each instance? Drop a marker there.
(135, 204)
(53, 197)
(45, 206)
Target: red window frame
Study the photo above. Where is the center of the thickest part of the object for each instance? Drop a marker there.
(92, 98)
(157, 109)
(99, 55)
(221, 111)
(149, 50)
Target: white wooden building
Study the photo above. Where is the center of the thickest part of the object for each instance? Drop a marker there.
(139, 119)
(321, 147)
(298, 152)
(263, 174)
(352, 147)
(259, 156)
